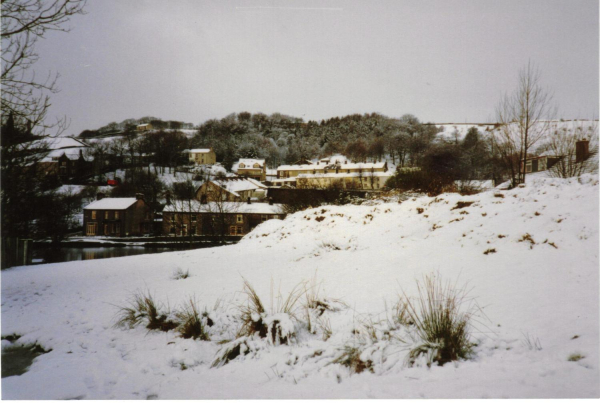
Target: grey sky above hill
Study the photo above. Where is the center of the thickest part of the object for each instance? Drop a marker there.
(441, 60)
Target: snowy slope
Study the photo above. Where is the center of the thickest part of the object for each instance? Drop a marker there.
(544, 291)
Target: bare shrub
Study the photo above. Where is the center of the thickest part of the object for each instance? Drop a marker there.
(441, 324)
(191, 322)
(531, 343)
(350, 357)
(277, 325)
(180, 274)
(143, 308)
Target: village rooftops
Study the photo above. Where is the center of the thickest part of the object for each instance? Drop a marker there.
(340, 166)
(238, 184)
(71, 154)
(111, 204)
(194, 206)
(366, 174)
(249, 163)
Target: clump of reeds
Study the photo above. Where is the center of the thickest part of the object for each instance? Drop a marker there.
(441, 322)
(143, 308)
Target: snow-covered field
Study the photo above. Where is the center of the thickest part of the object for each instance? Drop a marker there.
(538, 295)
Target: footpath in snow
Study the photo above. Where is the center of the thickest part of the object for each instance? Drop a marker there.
(528, 258)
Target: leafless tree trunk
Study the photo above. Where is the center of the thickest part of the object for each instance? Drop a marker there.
(525, 118)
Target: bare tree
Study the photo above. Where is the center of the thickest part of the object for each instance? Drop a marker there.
(524, 118)
(24, 105)
(24, 95)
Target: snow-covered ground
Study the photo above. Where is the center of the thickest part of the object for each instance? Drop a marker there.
(538, 293)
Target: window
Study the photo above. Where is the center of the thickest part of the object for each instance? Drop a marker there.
(116, 214)
(93, 214)
(91, 229)
(118, 228)
(105, 214)
(241, 165)
(263, 218)
(193, 218)
(106, 230)
(232, 230)
(528, 166)
(256, 165)
(240, 219)
(240, 230)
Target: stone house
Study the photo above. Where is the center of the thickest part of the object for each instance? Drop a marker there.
(185, 218)
(117, 217)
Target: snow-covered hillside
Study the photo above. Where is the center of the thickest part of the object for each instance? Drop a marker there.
(529, 257)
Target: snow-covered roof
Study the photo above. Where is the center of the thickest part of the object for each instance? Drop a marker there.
(195, 206)
(55, 143)
(71, 154)
(197, 150)
(341, 166)
(239, 184)
(111, 203)
(250, 162)
(338, 158)
(346, 175)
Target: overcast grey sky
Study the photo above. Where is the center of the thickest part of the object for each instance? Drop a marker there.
(441, 60)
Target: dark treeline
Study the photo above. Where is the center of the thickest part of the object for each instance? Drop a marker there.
(281, 139)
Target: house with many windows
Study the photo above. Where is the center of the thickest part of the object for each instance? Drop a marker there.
(334, 172)
(192, 218)
(117, 217)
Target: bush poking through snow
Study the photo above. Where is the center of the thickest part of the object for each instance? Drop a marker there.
(461, 204)
(531, 343)
(143, 308)
(350, 358)
(180, 274)
(575, 357)
(441, 325)
(278, 325)
(191, 323)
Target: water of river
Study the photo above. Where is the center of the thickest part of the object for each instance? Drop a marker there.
(64, 254)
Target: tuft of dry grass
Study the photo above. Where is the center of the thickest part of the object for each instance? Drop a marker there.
(257, 321)
(180, 274)
(441, 324)
(350, 357)
(143, 308)
(191, 322)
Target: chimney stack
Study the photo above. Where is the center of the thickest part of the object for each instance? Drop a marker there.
(270, 201)
(99, 196)
(582, 150)
(168, 197)
(249, 201)
(139, 196)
